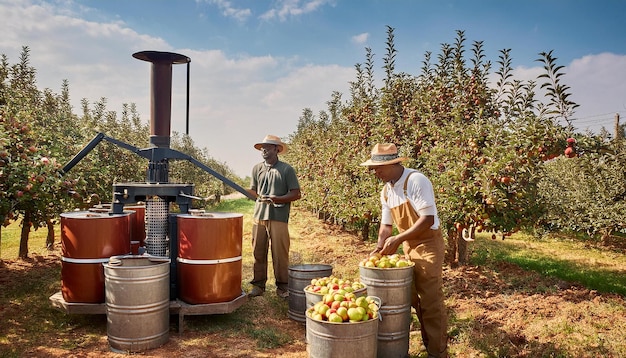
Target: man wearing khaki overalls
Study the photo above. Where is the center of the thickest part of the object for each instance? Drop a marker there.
(408, 201)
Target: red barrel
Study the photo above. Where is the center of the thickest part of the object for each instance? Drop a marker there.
(88, 239)
(209, 257)
(138, 230)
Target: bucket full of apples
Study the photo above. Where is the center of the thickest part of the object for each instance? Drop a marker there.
(343, 325)
(315, 291)
(390, 278)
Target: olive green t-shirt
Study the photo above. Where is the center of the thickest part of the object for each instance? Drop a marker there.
(278, 179)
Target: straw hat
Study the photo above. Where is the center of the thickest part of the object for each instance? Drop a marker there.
(272, 139)
(383, 154)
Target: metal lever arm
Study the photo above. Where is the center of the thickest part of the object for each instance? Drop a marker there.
(153, 154)
(78, 157)
(219, 176)
(92, 144)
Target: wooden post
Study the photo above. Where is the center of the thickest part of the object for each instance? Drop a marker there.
(619, 133)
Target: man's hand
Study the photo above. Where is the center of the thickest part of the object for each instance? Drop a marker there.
(376, 250)
(391, 245)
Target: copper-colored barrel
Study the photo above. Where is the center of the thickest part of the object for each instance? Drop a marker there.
(209, 257)
(138, 231)
(88, 239)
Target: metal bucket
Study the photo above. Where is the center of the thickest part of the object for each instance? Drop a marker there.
(137, 302)
(312, 298)
(345, 340)
(88, 239)
(209, 259)
(300, 276)
(393, 287)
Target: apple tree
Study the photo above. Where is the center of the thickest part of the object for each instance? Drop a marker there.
(29, 182)
(586, 192)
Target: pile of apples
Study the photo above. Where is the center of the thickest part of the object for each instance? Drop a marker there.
(340, 308)
(386, 261)
(333, 284)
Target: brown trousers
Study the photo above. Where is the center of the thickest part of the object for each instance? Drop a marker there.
(427, 252)
(274, 235)
(427, 296)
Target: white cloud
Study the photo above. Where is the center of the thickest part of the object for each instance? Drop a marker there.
(360, 39)
(598, 85)
(228, 10)
(285, 9)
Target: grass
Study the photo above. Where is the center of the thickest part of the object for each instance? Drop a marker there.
(601, 270)
(10, 241)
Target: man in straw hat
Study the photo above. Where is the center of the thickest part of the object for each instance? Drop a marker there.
(275, 185)
(408, 201)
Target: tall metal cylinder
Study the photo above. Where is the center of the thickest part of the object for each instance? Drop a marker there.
(157, 210)
(161, 93)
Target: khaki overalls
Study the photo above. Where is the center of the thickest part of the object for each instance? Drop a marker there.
(427, 252)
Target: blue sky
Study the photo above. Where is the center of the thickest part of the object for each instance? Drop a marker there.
(255, 65)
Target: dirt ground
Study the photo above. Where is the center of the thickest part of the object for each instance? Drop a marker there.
(508, 306)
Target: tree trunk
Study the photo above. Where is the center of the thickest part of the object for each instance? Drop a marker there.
(24, 235)
(464, 245)
(365, 231)
(462, 252)
(451, 253)
(50, 237)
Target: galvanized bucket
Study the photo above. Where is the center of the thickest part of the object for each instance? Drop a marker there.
(345, 340)
(300, 276)
(137, 302)
(393, 287)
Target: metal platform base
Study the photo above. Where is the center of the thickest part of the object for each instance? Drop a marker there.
(178, 307)
(185, 309)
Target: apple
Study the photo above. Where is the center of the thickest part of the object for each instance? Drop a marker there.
(354, 314)
(363, 311)
(334, 317)
(402, 263)
(343, 313)
(362, 302)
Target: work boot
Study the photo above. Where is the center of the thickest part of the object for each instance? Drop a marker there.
(282, 293)
(256, 291)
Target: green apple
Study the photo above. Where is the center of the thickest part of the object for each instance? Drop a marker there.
(354, 314)
(334, 317)
(343, 313)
